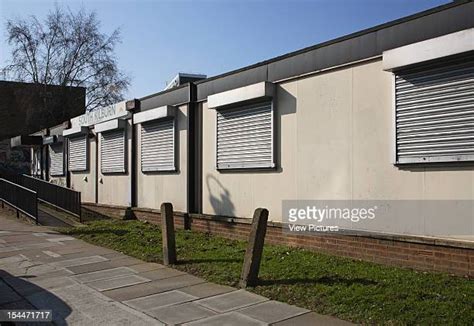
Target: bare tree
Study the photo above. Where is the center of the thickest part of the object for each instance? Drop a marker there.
(67, 49)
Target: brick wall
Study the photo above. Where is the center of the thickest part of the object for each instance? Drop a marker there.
(454, 257)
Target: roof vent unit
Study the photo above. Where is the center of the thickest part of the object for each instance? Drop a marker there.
(182, 78)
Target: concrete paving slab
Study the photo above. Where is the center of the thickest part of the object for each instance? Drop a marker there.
(312, 319)
(22, 286)
(205, 290)
(153, 287)
(172, 296)
(146, 267)
(161, 273)
(21, 238)
(177, 282)
(127, 261)
(117, 282)
(51, 254)
(12, 259)
(80, 305)
(89, 268)
(227, 319)
(231, 301)
(40, 269)
(178, 314)
(63, 257)
(104, 274)
(272, 311)
(29, 286)
(80, 261)
(114, 255)
(40, 234)
(37, 255)
(58, 273)
(52, 283)
(35, 245)
(79, 248)
(8, 252)
(18, 268)
(159, 300)
(61, 239)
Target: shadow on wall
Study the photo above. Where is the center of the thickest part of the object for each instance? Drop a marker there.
(15, 288)
(219, 197)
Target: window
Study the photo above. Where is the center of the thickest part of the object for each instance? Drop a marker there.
(36, 170)
(56, 160)
(78, 154)
(245, 137)
(158, 145)
(434, 113)
(112, 150)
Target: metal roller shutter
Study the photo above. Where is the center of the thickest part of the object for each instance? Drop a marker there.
(112, 150)
(245, 137)
(78, 153)
(56, 159)
(158, 145)
(435, 113)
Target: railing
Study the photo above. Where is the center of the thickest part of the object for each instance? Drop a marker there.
(12, 177)
(21, 198)
(60, 197)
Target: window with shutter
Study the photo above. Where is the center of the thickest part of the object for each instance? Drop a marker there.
(56, 159)
(36, 170)
(435, 113)
(112, 150)
(78, 153)
(158, 145)
(245, 137)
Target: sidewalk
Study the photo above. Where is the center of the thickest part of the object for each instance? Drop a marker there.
(86, 285)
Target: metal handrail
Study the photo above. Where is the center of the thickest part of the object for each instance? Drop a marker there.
(21, 198)
(60, 197)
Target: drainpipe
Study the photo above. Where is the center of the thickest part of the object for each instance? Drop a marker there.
(194, 178)
(133, 106)
(41, 161)
(46, 150)
(66, 152)
(96, 138)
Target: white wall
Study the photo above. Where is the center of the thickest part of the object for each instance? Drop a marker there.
(115, 189)
(85, 181)
(335, 137)
(155, 188)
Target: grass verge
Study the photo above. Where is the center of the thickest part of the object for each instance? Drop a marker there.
(349, 289)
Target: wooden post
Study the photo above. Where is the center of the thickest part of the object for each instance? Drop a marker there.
(167, 229)
(253, 254)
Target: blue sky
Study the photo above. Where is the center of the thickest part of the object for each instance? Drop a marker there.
(161, 38)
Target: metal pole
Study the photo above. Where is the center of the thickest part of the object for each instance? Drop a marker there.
(80, 208)
(36, 209)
